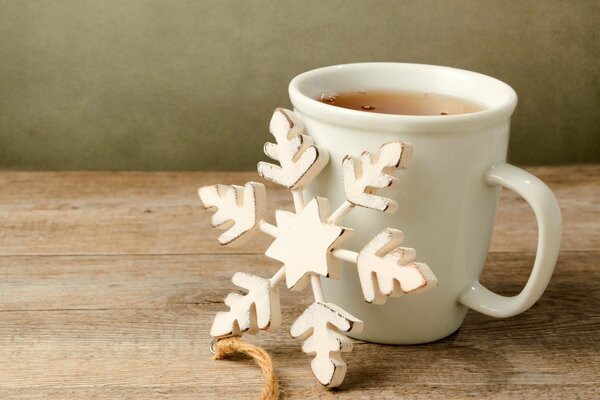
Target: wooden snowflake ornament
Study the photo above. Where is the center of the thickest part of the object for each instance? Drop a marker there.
(309, 243)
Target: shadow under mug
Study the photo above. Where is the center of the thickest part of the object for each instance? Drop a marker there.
(447, 197)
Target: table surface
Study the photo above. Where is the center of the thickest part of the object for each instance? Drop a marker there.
(109, 282)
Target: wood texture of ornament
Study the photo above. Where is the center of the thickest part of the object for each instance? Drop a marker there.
(300, 161)
(372, 171)
(308, 241)
(322, 328)
(385, 269)
(238, 209)
(259, 309)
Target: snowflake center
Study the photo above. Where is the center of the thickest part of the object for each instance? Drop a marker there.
(304, 241)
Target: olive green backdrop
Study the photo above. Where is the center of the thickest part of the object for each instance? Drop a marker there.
(184, 84)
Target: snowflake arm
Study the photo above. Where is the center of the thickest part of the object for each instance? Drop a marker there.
(322, 328)
(385, 269)
(259, 309)
(238, 209)
(364, 176)
(300, 160)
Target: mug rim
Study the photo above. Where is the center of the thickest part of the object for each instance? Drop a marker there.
(313, 108)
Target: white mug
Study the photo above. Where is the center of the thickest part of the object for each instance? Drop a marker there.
(447, 196)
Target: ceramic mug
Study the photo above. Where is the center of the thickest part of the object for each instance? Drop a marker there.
(447, 196)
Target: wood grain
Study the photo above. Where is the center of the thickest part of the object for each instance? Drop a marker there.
(107, 301)
(145, 326)
(160, 213)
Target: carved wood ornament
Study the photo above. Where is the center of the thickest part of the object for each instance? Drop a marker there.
(309, 244)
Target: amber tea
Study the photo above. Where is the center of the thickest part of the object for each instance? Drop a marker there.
(401, 103)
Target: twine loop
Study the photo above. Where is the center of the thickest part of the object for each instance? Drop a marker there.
(223, 348)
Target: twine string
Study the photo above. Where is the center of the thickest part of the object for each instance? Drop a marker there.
(228, 346)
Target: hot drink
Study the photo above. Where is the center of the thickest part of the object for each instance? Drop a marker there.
(402, 103)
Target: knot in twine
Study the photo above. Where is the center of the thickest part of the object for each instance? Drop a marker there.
(228, 346)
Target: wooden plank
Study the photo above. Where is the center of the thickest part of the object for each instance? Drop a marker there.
(252, 389)
(159, 213)
(30, 283)
(137, 326)
(113, 282)
(113, 213)
(109, 282)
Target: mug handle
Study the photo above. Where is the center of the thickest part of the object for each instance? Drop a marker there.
(547, 213)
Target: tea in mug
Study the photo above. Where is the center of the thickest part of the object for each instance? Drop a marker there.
(401, 103)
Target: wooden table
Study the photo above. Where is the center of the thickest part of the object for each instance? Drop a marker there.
(109, 282)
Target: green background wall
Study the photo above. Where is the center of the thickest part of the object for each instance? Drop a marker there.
(191, 84)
